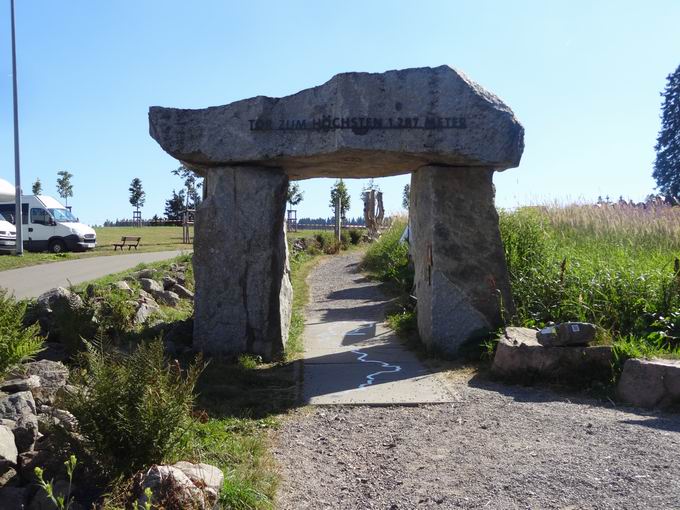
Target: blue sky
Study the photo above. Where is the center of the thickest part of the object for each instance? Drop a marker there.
(583, 77)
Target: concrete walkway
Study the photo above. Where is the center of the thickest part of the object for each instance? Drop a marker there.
(30, 282)
(351, 357)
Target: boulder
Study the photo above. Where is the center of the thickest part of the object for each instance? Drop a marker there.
(354, 125)
(8, 450)
(53, 377)
(520, 357)
(150, 286)
(182, 291)
(171, 489)
(650, 383)
(243, 291)
(13, 498)
(461, 280)
(567, 333)
(58, 300)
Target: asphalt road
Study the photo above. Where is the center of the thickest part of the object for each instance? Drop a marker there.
(30, 282)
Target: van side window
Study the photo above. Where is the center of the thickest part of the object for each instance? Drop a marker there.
(39, 216)
(8, 212)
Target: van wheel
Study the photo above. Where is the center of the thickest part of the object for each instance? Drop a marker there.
(57, 246)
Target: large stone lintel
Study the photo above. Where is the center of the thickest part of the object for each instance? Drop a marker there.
(354, 125)
(461, 275)
(243, 292)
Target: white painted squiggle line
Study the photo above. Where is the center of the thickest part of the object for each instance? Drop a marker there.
(370, 378)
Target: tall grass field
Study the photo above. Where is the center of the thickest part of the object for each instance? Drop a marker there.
(615, 266)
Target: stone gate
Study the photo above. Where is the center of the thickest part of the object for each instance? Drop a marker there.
(435, 123)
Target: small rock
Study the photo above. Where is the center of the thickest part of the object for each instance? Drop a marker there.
(171, 489)
(169, 282)
(566, 334)
(151, 286)
(144, 311)
(182, 291)
(167, 297)
(124, 286)
(144, 273)
(202, 475)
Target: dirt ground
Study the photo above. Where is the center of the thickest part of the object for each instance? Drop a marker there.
(496, 447)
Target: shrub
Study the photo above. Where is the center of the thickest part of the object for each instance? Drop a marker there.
(327, 242)
(355, 235)
(344, 239)
(17, 342)
(133, 409)
(387, 258)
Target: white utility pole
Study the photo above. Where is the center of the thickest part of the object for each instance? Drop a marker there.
(18, 220)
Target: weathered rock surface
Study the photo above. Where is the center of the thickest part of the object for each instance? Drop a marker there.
(168, 282)
(519, 356)
(355, 125)
(167, 297)
(8, 449)
(20, 408)
(243, 291)
(20, 384)
(461, 277)
(567, 333)
(202, 475)
(144, 311)
(650, 383)
(53, 377)
(172, 489)
(182, 291)
(53, 302)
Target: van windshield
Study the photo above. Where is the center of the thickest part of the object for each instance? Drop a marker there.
(62, 215)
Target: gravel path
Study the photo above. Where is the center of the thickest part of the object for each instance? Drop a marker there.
(496, 447)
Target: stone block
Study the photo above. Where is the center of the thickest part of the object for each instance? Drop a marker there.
(243, 295)
(650, 383)
(461, 279)
(520, 357)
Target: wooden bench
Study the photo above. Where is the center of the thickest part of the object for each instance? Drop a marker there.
(129, 241)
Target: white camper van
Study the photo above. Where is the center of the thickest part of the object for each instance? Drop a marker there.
(48, 225)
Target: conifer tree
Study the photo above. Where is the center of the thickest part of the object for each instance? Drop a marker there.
(667, 164)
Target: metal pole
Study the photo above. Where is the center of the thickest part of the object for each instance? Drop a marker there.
(17, 167)
(338, 214)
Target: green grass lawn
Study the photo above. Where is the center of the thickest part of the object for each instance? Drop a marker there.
(153, 239)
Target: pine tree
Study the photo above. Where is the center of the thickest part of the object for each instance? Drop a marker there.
(137, 194)
(340, 190)
(37, 187)
(667, 165)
